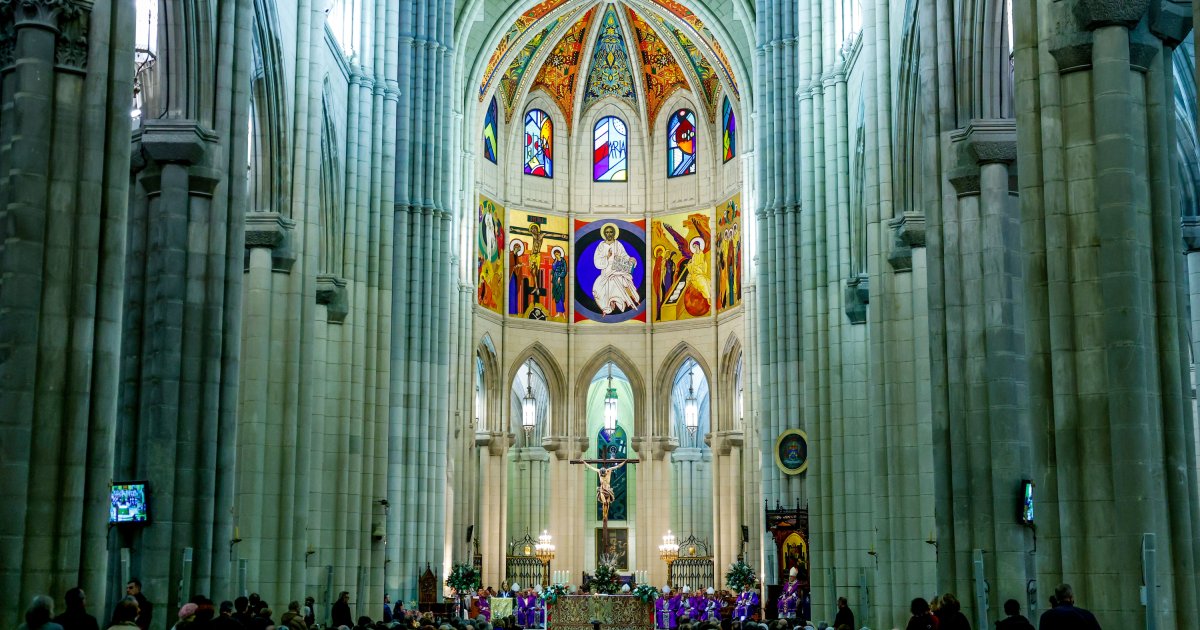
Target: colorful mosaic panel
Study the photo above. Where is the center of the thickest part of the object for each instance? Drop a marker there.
(710, 83)
(681, 275)
(728, 131)
(538, 263)
(692, 20)
(662, 74)
(510, 83)
(610, 270)
(560, 72)
(489, 243)
(610, 73)
(489, 132)
(610, 154)
(681, 143)
(729, 254)
(529, 18)
(539, 144)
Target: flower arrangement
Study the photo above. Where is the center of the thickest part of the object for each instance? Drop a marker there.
(463, 578)
(739, 576)
(605, 581)
(553, 592)
(646, 593)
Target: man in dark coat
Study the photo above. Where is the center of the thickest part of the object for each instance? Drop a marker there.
(76, 616)
(145, 608)
(341, 611)
(1015, 620)
(1065, 615)
(844, 617)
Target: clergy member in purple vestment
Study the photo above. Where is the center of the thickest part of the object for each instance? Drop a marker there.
(790, 597)
(664, 610)
(747, 603)
(485, 606)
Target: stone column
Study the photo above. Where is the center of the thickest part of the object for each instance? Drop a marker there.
(493, 505)
(1106, 355)
(64, 178)
(654, 490)
(727, 501)
(422, 277)
(987, 443)
(567, 503)
(778, 141)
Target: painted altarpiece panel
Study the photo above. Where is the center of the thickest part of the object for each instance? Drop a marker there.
(538, 265)
(681, 275)
(489, 266)
(729, 254)
(610, 270)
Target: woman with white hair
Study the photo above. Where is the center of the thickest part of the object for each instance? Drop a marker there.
(39, 614)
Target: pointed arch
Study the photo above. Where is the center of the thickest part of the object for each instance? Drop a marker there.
(492, 392)
(556, 384)
(664, 381)
(727, 385)
(270, 189)
(583, 382)
(331, 191)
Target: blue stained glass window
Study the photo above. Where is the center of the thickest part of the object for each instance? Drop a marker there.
(681, 143)
(729, 126)
(539, 144)
(489, 132)
(610, 157)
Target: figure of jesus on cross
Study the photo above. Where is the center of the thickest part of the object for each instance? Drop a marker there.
(604, 492)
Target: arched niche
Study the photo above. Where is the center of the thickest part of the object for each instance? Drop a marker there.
(556, 385)
(665, 379)
(729, 382)
(488, 408)
(578, 426)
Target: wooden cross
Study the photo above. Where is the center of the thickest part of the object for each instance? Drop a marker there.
(604, 491)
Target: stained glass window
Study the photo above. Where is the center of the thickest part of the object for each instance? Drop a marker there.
(729, 124)
(681, 143)
(610, 159)
(539, 144)
(489, 132)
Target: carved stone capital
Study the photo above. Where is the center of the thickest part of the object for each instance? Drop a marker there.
(1094, 14)
(908, 232)
(991, 141)
(47, 14)
(723, 442)
(173, 141)
(1191, 234)
(1072, 51)
(273, 231)
(1171, 21)
(331, 293)
(857, 296)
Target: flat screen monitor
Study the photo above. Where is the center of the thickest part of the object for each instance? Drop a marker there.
(1026, 505)
(127, 503)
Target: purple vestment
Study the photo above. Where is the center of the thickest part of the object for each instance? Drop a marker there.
(747, 604)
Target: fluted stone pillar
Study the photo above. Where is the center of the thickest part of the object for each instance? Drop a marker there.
(728, 506)
(1107, 314)
(64, 174)
(422, 286)
(778, 138)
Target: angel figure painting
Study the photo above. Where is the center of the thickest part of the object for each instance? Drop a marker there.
(681, 267)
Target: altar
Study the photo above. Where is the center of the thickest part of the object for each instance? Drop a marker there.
(614, 612)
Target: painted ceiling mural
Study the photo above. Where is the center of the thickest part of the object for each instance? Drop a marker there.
(527, 19)
(510, 83)
(610, 73)
(560, 72)
(662, 75)
(685, 14)
(710, 83)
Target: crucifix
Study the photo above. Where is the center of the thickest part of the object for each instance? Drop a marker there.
(604, 492)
